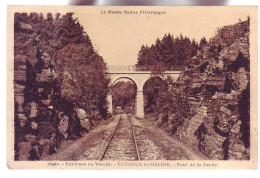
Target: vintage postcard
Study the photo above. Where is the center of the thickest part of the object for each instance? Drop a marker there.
(132, 87)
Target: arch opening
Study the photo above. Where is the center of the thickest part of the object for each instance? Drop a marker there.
(154, 91)
(123, 92)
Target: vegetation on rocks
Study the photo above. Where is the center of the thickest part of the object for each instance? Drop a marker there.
(208, 106)
(59, 82)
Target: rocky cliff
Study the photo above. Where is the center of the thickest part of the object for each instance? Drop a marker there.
(218, 95)
(215, 88)
(44, 115)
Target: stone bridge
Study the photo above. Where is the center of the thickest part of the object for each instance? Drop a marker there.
(138, 77)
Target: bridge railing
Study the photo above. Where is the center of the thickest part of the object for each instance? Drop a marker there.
(159, 68)
(123, 68)
(129, 68)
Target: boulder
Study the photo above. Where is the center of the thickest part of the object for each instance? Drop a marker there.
(242, 79)
(84, 121)
(40, 90)
(30, 138)
(19, 99)
(20, 75)
(236, 127)
(32, 61)
(219, 64)
(18, 88)
(195, 122)
(63, 124)
(45, 144)
(193, 100)
(46, 102)
(34, 125)
(85, 124)
(20, 66)
(22, 119)
(34, 109)
(215, 80)
(20, 59)
(81, 113)
(225, 110)
(24, 151)
(25, 26)
(46, 75)
(235, 155)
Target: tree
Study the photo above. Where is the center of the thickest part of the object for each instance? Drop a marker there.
(167, 52)
(203, 42)
(83, 79)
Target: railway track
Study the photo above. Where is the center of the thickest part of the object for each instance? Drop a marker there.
(122, 143)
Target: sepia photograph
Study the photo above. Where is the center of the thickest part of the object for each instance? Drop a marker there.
(132, 87)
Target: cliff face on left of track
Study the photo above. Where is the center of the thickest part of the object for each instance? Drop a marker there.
(50, 89)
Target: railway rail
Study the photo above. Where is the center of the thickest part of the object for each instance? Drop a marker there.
(122, 144)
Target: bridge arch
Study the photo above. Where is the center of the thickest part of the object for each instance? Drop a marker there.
(113, 86)
(152, 78)
(114, 80)
(134, 78)
(139, 77)
(151, 88)
(139, 102)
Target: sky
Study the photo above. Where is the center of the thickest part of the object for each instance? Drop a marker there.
(118, 38)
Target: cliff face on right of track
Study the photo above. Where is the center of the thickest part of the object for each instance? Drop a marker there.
(216, 89)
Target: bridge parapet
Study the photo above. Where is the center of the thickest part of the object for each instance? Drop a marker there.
(121, 68)
(133, 68)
